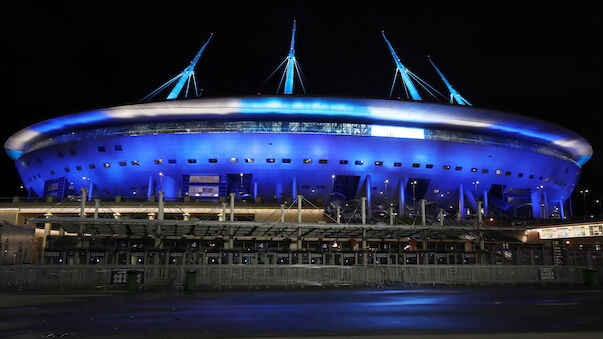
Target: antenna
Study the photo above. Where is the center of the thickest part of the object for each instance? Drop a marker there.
(454, 95)
(183, 78)
(291, 68)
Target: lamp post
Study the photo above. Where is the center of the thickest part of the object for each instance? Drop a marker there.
(385, 184)
(161, 181)
(414, 198)
(583, 192)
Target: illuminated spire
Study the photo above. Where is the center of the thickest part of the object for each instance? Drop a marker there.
(290, 68)
(183, 78)
(404, 73)
(454, 95)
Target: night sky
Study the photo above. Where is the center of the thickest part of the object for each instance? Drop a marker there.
(58, 58)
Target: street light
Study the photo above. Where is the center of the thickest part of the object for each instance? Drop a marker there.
(583, 192)
(385, 183)
(414, 199)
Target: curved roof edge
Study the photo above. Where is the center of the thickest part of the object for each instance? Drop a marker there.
(392, 111)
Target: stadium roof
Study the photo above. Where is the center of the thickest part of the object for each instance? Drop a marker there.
(391, 112)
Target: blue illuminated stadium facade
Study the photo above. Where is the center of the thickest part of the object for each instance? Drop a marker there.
(274, 148)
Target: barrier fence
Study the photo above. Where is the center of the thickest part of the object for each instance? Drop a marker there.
(287, 276)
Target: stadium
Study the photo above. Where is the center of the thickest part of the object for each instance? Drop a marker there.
(331, 151)
(326, 149)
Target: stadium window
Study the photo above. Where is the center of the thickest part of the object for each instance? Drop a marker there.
(234, 160)
(117, 147)
(531, 176)
(416, 165)
(78, 167)
(92, 166)
(286, 161)
(507, 173)
(61, 155)
(270, 160)
(540, 178)
(429, 166)
(322, 161)
(446, 167)
(343, 162)
(192, 161)
(378, 163)
(158, 161)
(458, 168)
(498, 172)
(67, 169)
(213, 161)
(51, 172)
(101, 148)
(39, 176)
(135, 163)
(122, 163)
(171, 161)
(485, 170)
(107, 165)
(359, 162)
(305, 187)
(473, 169)
(397, 164)
(520, 175)
(249, 160)
(436, 191)
(307, 161)
(72, 152)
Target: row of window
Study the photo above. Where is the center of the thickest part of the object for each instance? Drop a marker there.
(74, 153)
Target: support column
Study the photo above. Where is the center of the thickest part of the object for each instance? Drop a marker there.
(160, 207)
(300, 199)
(282, 212)
(536, 203)
(47, 228)
(545, 205)
(368, 195)
(338, 211)
(364, 248)
(232, 198)
(391, 215)
(485, 203)
(80, 233)
(363, 210)
(90, 190)
(294, 188)
(223, 212)
(479, 212)
(423, 217)
(299, 246)
(462, 213)
(441, 214)
(561, 210)
(255, 190)
(151, 189)
(96, 207)
(402, 196)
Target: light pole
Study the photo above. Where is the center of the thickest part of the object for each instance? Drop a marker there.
(414, 198)
(583, 192)
(161, 181)
(385, 183)
(332, 181)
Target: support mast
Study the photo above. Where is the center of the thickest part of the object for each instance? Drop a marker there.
(404, 72)
(454, 95)
(290, 68)
(183, 78)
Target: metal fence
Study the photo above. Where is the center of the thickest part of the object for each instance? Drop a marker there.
(287, 276)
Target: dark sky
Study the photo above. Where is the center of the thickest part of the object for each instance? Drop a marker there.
(64, 57)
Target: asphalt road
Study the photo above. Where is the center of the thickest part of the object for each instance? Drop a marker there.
(523, 311)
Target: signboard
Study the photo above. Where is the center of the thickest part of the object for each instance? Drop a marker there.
(120, 275)
(261, 246)
(547, 274)
(558, 253)
(325, 246)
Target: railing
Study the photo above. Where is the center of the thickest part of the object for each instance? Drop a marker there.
(254, 276)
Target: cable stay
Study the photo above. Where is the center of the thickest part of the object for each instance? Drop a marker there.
(454, 95)
(184, 78)
(407, 78)
(291, 68)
